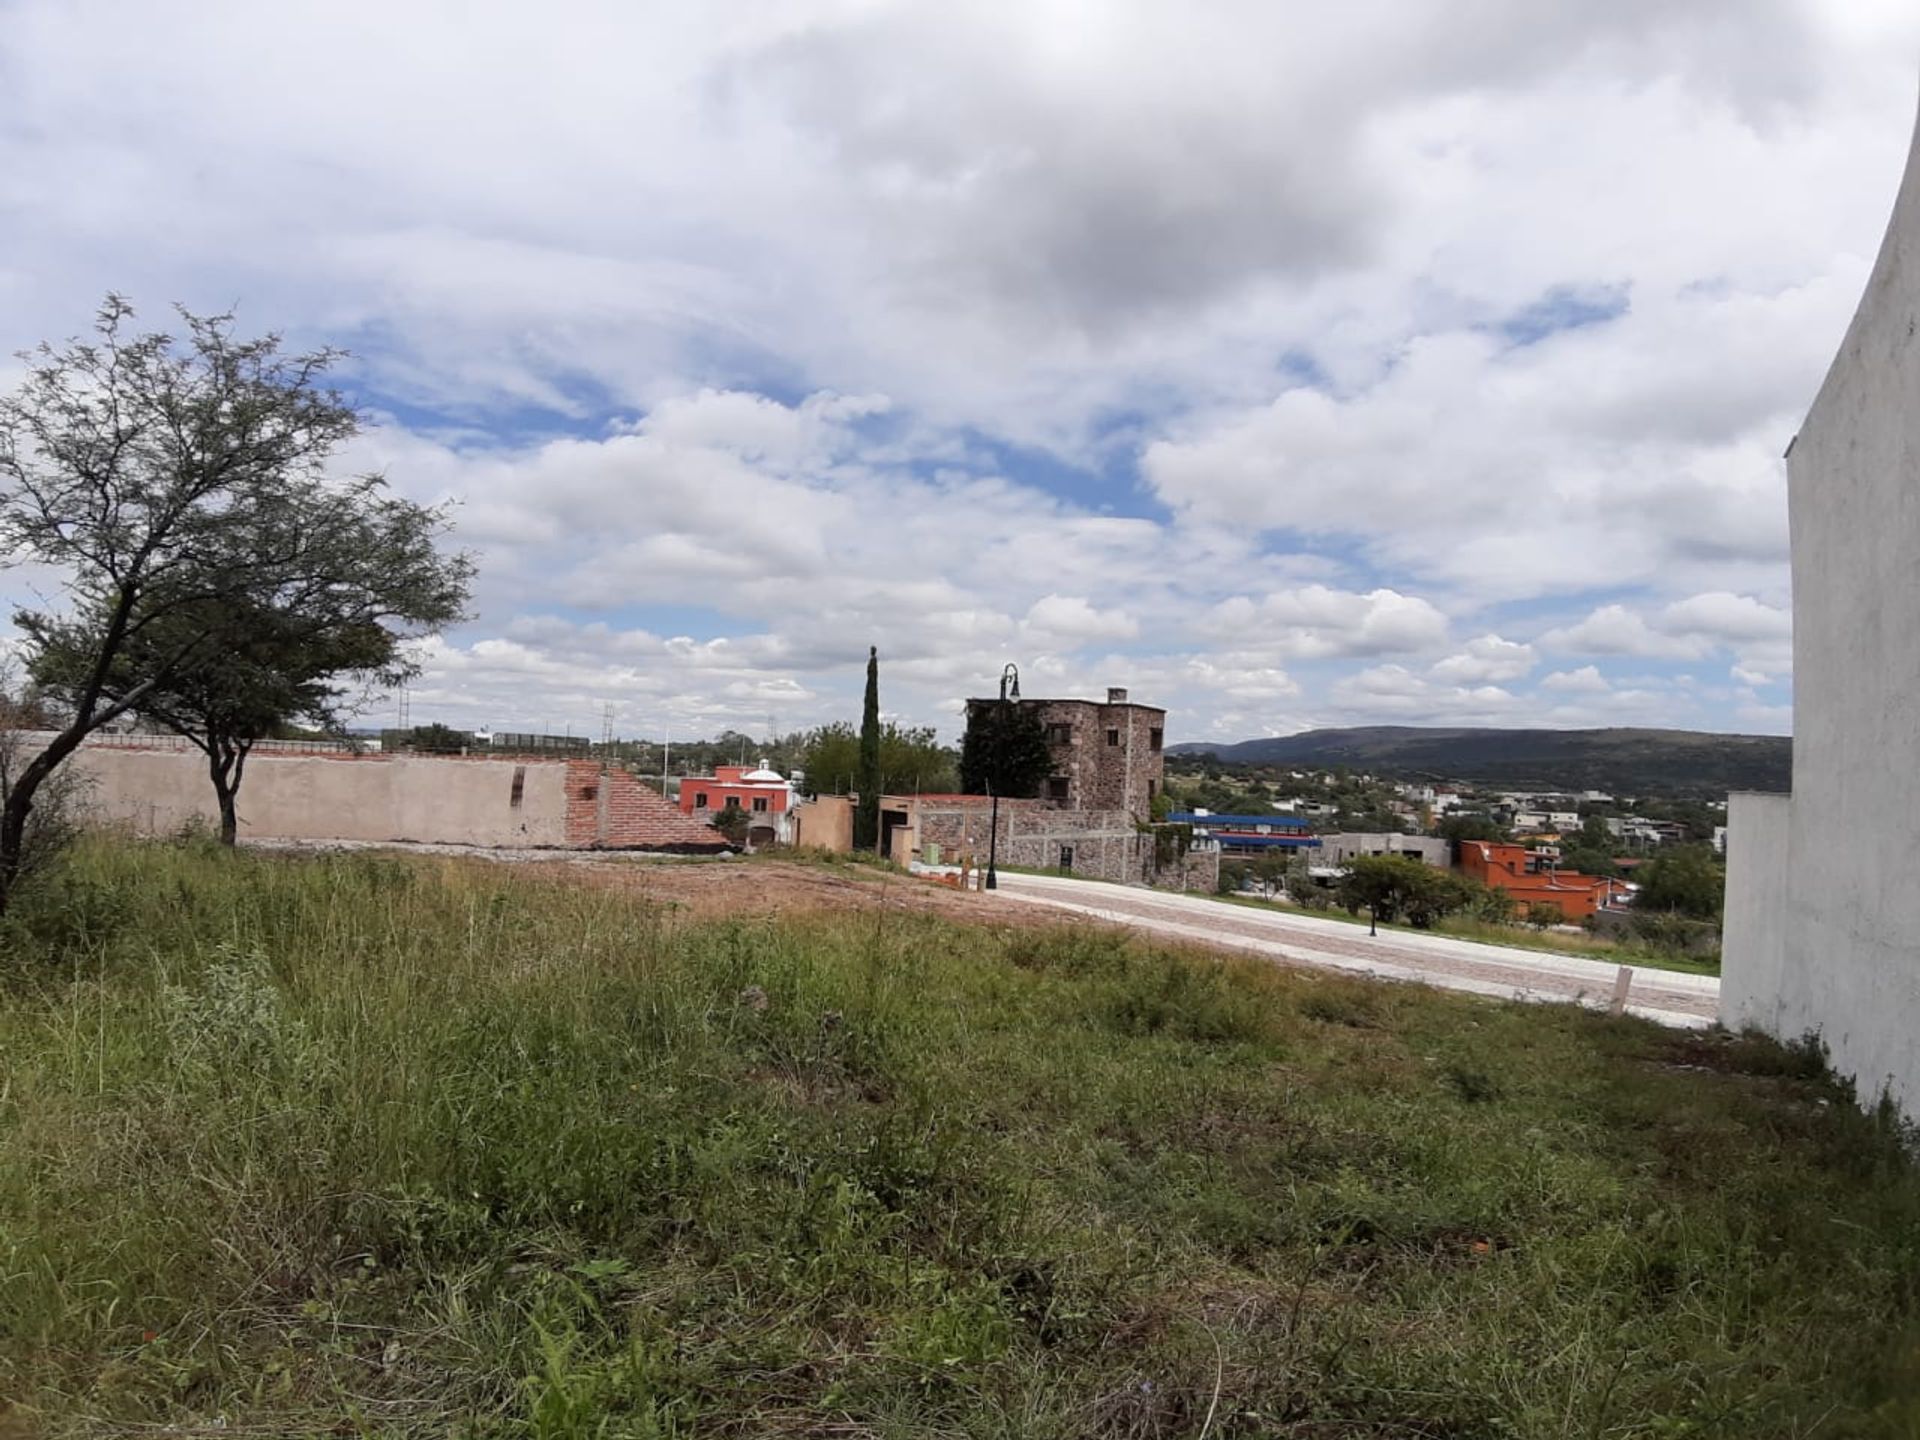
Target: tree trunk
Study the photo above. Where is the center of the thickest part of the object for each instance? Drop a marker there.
(226, 760)
(88, 716)
(229, 816)
(19, 805)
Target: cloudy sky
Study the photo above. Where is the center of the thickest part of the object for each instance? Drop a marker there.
(1292, 363)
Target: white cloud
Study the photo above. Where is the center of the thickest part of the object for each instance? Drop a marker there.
(1395, 691)
(1071, 619)
(1317, 622)
(1727, 618)
(1237, 349)
(1587, 680)
(1486, 659)
(1616, 630)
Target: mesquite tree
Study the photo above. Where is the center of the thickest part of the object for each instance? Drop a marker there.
(178, 484)
(306, 659)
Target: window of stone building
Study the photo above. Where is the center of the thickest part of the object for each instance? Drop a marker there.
(1057, 788)
(1155, 737)
(519, 787)
(1059, 734)
(699, 799)
(759, 802)
(1113, 735)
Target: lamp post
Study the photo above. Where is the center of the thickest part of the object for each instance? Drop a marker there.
(1009, 690)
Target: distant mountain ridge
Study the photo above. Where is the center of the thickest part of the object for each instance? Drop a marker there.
(1619, 761)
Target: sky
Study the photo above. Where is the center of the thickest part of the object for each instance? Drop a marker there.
(1290, 364)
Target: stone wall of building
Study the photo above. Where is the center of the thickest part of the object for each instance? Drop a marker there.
(1099, 844)
(1110, 756)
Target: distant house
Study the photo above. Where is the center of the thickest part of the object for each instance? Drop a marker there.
(754, 788)
(1428, 849)
(1249, 834)
(1533, 879)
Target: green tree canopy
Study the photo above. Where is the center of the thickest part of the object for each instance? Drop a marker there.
(912, 760)
(1686, 880)
(1005, 750)
(304, 657)
(1470, 825)
(180, 485)
(1394, 887)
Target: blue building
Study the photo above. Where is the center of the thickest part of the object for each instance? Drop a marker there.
(1251, 834)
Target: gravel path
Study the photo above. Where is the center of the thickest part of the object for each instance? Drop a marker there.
(1666, 996)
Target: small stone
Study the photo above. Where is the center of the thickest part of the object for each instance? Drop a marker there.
(755, 999)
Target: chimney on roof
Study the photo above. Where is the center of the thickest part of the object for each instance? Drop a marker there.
(1116, 695)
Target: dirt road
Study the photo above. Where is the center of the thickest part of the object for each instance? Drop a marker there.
(1291, 938)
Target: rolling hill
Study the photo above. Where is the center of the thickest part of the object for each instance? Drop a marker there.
(1619, 761)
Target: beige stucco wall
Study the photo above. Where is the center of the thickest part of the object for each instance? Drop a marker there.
(825, 822)
(331, 797)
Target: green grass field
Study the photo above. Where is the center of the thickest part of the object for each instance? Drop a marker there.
(371, 1146)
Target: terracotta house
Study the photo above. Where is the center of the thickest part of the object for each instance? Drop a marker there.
(1532, 878)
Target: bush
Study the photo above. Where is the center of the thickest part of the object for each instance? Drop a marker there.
(1674, 934)
(732, 823)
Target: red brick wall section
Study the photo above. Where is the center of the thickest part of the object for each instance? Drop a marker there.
(636, 817)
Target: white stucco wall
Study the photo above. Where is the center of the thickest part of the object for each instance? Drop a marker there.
(1849, 907)
(1753, 972)
(323, 797)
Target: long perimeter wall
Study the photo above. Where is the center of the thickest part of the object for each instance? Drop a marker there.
(533, 802)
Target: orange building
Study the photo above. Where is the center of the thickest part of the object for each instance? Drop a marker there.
(1530, 878)
(756, 790)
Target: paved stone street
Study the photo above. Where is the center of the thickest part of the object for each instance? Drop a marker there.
(1666, 996)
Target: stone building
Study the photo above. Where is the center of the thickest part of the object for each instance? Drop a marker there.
(1822, 934)
(1105, 756)
(1091, 816)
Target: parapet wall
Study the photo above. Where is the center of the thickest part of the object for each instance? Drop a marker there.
(1757, 989)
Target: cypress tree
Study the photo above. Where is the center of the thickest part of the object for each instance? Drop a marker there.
(866, 819)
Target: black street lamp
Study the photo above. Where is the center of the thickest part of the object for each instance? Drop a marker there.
(1009, 690)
